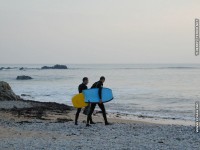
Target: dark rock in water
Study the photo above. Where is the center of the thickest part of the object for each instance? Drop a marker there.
(60, 67)
(45, 67)
(25, 95)
(6, 93)
(7, 68)
(55, 67)
(22, 68)
(23, 77)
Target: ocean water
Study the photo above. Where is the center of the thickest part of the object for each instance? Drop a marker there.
(152, 90)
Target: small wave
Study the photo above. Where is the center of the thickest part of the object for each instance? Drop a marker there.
(143, 68)
(182, 67)
(152, 114)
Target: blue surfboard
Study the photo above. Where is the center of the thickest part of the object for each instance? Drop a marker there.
(92, 95)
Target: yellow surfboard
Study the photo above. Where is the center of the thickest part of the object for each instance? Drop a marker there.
(78, 101)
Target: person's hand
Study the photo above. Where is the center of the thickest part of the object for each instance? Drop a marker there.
(100, 101)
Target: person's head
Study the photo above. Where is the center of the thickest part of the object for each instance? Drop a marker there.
(85, 80)
(102, 79)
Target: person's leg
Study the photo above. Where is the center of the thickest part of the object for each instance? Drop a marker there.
(101, 106)
(91, 121)
(77, 115)
(89, 117)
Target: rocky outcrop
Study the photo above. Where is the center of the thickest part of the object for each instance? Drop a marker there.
(6, 93)
(22, 68)
(25, 95)
(55, 67)
(5, 68)
(24, 77)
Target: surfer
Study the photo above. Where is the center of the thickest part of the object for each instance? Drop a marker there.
(99, 85)
(81, 87)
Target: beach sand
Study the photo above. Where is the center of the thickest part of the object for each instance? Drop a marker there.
(56, 130)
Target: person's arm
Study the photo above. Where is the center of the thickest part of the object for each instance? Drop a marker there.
(79, 89)
(99, 86)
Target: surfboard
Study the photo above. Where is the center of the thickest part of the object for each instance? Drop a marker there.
(92, 95)
(78, 101)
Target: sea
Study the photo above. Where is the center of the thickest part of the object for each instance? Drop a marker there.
(167, 91)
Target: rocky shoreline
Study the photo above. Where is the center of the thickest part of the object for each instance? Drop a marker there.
(6, 93)
(28, 109)
(33, 109)
(30, 125)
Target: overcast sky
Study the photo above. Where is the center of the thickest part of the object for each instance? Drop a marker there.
(98, 31)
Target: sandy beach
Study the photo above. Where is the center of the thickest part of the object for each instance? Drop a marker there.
(56, 130)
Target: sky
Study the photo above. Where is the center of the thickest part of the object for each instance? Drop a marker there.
(97, 31)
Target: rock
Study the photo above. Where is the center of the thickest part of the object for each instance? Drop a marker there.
(6, 93)
(60, 67)
(23, 77)
(22, 68)
(3, 68)
(45, 67)
(25, 95)
(55, 67)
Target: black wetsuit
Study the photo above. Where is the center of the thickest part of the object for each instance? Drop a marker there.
(81, 87)
(99, 85)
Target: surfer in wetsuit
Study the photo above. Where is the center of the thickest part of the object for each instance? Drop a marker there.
(81, 87)
(99, 85)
